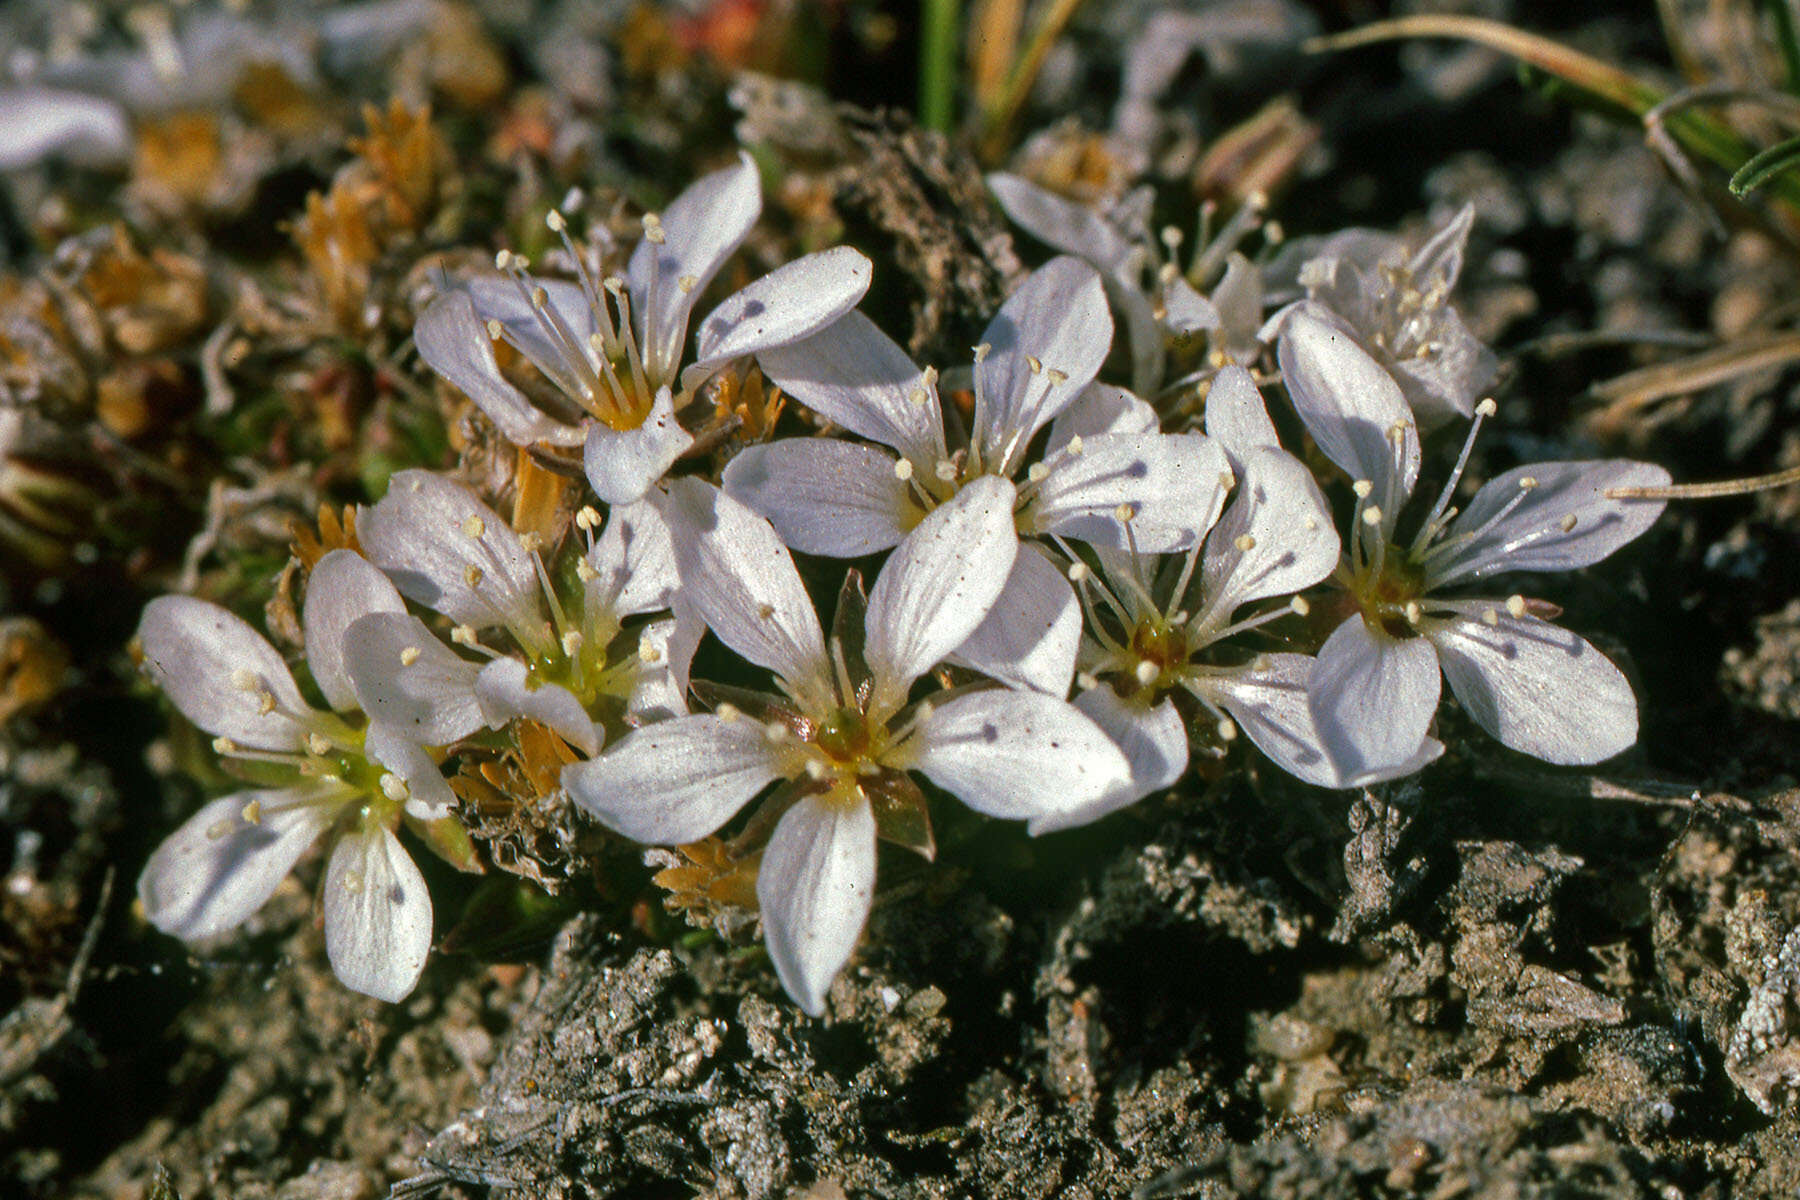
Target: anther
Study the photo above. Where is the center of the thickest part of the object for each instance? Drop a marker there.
(903, 469)
(1086, 681)
(1075, 446)
(1078, 572)
(1372, 515)
(687, 283)
(531, 541)
(584, 571)
(503, 259)
(816, 770)
(945, 470)
(472, 575)
(252, 813)
(1036, 364)
(981, 352)
(1515, 604)
(1056, 377)
(555, 221)
(1299, 606)
(1036, 472)
(474, 526)
(394, 788)
(1490, 616)
(728, 713)
(923, 710)
(246, 680)
(540, 298)
(1227, 730)
(1568, 523)
(265, 703)
(318, 743)
(1146, 672)
(1362, 488)
(571, 643)
(495, 330)
(1125, 511)
(1527, 482)
(777, 733)
(1414, 613)
(463, 635)
(588, 519)
(1244, 542)
(649, 653)
(224, 745)
(1487, 408)
(918, 397)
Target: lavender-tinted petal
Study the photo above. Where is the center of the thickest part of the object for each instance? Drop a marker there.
(622, 465)
(1373, 697)
(788, 304)
(814, 886)
(342, 587)
(1030, 636)
(202, 657)
(827, 497)
(675, 781)
(377, 915)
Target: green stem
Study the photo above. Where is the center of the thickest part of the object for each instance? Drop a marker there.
(937, 62)
(1787, 39)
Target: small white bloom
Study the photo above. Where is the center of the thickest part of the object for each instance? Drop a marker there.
(842, 729)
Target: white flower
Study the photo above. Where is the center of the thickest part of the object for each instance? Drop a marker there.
(352, 783)
(447, 550)
(842, 734)
(1162, 625)
(1396, 305)
(1105, 468)
(1117, 243)
(612, 346)
(38, 123)
(1537, 688)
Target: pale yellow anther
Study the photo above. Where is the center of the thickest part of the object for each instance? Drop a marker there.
(1036, 364)
(1527, 482)
(1372, 515)
(614, 284)
(584, 571)
(777, 733)
(945, 470)
(654, 235)
(1397, 431)
(1086, 681)
(1299, 606)
(1125, 512)
(394, 787)
(571, 643)
(503, 259)
(1244, 542)
(1486, 408)
(472, 575)
(903, 469)
(531, 541)
(687, 283)
(463, 635)
(220, 829)
(1076, 445)
(555, 221)
(1171, 236)
(1568, 523)
(1362, 488)
(1057, 378)
(473, 526)
(409, 656)
(1274, 233)
(588, 518)
(246, 680)
(930, 376)
(1146, 672)
(1227, 730)
(1179, 617)
(923, 710)
(1312, 524)
(1490, 616)
(319, 744)
(495, 330)
(540, 298)
(918, 397)
(1515, 604)
(728, 713)
(252, 813)
(1078, 572)
(1414, 613)
(265, 703)
(224, 745)
(649, 653)
(816, 770)
(1036, 472)
(982, 351)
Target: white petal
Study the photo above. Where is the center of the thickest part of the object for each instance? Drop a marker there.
(742, 582)
(1238, 297)
(814, 886)
(623, 465)
(1155, 743)
(939, 585)
(1016, 754)
(377, 915)
(634, 565)
(452, 341)
(665, 651)
(217, 869)
(1532, 536)
(201, 656)
(342, 587)
(1538, 688)
(853, 375)
(786, 305)
(450, 552)
(500, 298)
(1440, 259)
(430, 695)
(1348, 403)
(1032, 633)
(1101, 408)
(1060, 224)
(838, 499)
(505, 689)
(1236, 415)
(1278, 513)
(1373, 697)
(1173, 484)
(701, 228)
(1058, 317)
(675, 781)
(428, 794)
(40, 123)
(1186, 311)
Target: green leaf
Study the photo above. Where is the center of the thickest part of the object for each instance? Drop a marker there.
(1764, 166)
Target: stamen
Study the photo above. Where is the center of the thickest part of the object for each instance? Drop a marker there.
(1515, 604)
(1440, 514)
(1244, 542)
(1146, 672)
(728, 713)
(903, 469)
(571, 643)
(319, 744)
(252, 813)
(224, 746)
(649, 653)
(474, 526)
(464, 635)
(394, 788)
